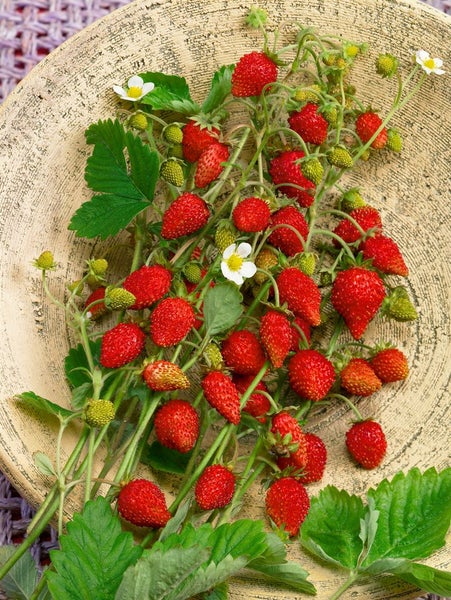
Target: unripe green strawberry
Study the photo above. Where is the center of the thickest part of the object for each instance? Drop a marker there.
(312, 170)
(351, 199)
(165, 376)
(143, 503)
(172, 172)
(394, 140)
(45, 261)
(175, 151)
(99, 413)
(340, 157)
(266, 259)
(118, 299)
(398, 306)
(138, 121)
(306, 262)
(215, 487)
(97, 269)
(213, 356)
(386, 65)
(173, 134)
(330, 113)
(225, 235)
(76, 287)
(192, 272)
(287, 504)
(307, 94)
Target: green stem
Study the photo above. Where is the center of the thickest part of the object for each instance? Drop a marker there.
(346, 585)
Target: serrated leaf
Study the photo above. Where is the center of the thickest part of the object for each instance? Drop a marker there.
(429, 579)
(165, 459)
(222, 307)
(43, 463)
(21, 580)
(43, 405)
(332, 527)
(80, 395)
(171, 92)
(94, 555)
(220, 592)
(221, 86)
(415, 514)
(76, 365)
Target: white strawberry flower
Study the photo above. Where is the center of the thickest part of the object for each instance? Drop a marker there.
(233, 265)
(134, 90)
(429, 64)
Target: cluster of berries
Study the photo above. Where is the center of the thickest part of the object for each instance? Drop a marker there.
(309, 291)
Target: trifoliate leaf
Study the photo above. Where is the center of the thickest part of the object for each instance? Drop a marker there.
(76, 364)
(171, 92)
(221, 86)
(222, 307)
(41, 404)
(94, 555)
(415, 514)
(20, 581)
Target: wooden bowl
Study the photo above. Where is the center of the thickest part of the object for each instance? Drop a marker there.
(42, 126)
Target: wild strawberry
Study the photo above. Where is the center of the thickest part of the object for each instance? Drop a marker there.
(171, 321)
(243, 353)
(118, 298)
(287, 504)
(313, 170)
(252, 73)
(357, 295)
(309, 124)
(221, 393)
(177, 425)
(251, 214)
(358, 378)
(215, 487)
(45, 261)
(301, 294)
(311, 374)
(340, 157)
(172, 133)
(187, 214)
(148, 284)
(390, 364)
(142, 503)
(121, 344)
(284, 170)
(94, 303)
(298, 339)
(275, 334)
(266, 259)
(367, 443)
(257, 404)
(366, 216)
(288, 439)
(306, 261)
(99, 413)
(314, 468)
(394, 140)
(210, 164)
(385, 255)
(196, 138)
(284, 238)
(171, 170)
(366, 126)
(165, 376)
(398, 306)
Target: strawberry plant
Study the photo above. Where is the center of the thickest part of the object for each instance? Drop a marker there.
(245, 303)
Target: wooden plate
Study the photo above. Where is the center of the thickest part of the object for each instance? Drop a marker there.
(42, 161)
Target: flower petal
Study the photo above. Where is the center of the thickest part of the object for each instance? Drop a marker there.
(119, 90)
(248, 269)
(135, 81)
(244, 249)
(229, 251)
(234, 276)
(421, 56)
(148, 87)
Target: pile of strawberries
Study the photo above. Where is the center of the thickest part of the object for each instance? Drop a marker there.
(326, 269)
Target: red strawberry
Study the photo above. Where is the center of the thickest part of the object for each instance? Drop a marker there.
(358, 378)
(252, 73)
(367, 443)
(243, 353)
(301, 294)
(210, 164)
(366, 216)
(195, 139)
(148, 284)
(187, 214)
(275, 334)
(357, 294)
(221, 393)
(297, 339)
(366, 126)
(385, 255)
(170, 321)
(288, 439)
(257, 404)
(143, 503)
(121, 344)
(177, 425)
(285, 170)
(93, 303)
(215, 487)
(284, 238)
(251, 214)
(287, 504)
(165, 376)
(390, 365)
(311, 374)
(316, 461)
(309, 124)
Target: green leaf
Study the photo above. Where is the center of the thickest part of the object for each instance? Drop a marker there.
(415, 514)
(76, 364)
(165, 459)
(80, 395)
(44, 463)
(94, 555)
(220, 592)
(21, 580)
(332, 527)
(221, 86)
(222, 307)
(426, 578)
(171, 92)
(42, 405)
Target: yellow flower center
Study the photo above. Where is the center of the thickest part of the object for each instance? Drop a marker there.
(429, 63)
(134, 92)
(234, 262)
